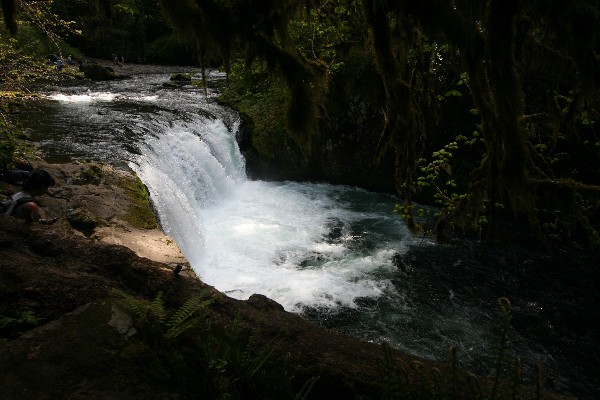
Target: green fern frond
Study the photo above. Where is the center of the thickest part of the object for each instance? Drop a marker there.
(306, 388)
(136, 306)
(254, 362)
(157, 308)
(189, 308)
(178, 329)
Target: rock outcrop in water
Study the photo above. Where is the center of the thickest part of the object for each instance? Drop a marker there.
(97, 72)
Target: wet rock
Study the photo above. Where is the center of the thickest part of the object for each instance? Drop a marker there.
(82, 220)
(180, 77)
(400, 263)
(264, 303)
(97, 72)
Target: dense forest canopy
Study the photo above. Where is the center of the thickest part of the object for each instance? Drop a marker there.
(527, 73)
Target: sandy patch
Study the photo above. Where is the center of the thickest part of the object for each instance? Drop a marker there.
(152, 244)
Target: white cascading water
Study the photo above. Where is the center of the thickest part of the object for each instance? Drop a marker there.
(241, 236)
(336, 254)
(246, 237)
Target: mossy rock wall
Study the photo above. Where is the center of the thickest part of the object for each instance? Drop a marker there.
(343, 149)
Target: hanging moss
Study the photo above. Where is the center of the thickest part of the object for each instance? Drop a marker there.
(530, 71)
(488, 38)
(260, 29)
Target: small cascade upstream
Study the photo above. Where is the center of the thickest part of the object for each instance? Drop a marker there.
(335, 254)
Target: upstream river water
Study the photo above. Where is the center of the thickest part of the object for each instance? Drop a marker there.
(335, 254)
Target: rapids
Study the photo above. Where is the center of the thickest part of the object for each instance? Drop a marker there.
(335, 254)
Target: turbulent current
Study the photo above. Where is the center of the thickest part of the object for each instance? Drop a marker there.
(335, 254)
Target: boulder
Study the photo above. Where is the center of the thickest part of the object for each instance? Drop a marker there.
(97, 72)
(180, 77)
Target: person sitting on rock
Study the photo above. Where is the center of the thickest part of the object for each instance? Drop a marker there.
(23, 204)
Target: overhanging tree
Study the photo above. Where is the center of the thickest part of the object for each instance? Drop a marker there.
(532, 70)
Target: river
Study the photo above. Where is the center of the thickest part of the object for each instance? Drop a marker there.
(335, 254)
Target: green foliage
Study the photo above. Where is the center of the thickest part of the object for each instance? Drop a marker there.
(395, 377)
(12, 327)
(138, 307)
(93, 175)
(52, 26)
(442, 177)
(170, 50)
(23, 57)
(123, 27)
(17, 64)
(182, 319)
(327, 30)
(140, 213)
(153, 313)
(198, 360)
(263, 98)
(260, 369)
(7, 145)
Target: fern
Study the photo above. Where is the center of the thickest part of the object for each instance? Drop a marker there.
(182, 327)
(395, 380)
(475, 386)
(189, 308)
(157, 308)
(253, 361)
(136, 306)
(306, 388)
(155, 311)
(422, 384)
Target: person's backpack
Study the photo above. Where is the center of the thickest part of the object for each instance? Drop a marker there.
(8, 205)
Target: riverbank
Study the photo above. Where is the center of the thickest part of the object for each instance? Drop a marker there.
(104, 204)
(94, 346)
(129, 69)
(64, 279)
(90, 344)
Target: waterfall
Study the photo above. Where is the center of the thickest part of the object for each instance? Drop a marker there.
(336, 254)
(248, 237)
(189, 166)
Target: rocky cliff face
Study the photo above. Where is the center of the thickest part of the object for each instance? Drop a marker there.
(343, 149)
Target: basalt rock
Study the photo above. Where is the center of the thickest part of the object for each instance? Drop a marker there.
(97, 72)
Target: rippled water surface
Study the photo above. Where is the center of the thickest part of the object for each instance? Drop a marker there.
(336, 254)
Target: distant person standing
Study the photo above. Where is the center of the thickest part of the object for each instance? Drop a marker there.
(59, 64)
(69, 60)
